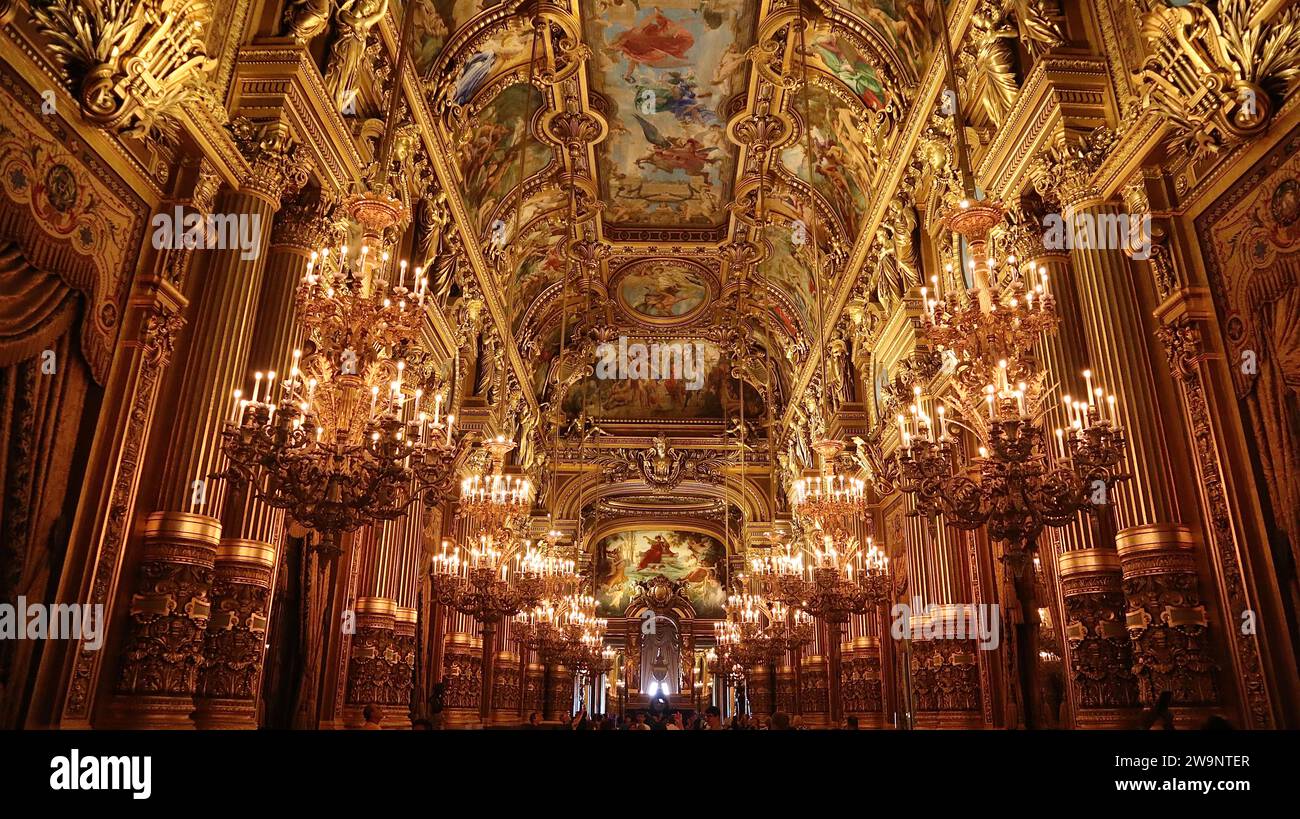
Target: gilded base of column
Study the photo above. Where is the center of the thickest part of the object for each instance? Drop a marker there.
(759, 689)
(1166, 620)
(559, 693)
(235, 644)
(1099, 656)
(945, 683)
(505, 690)
(948, 721)
(785, 681)
(534, 686)
(815, 694)
(462, 671)
(863, 694)
(169, 613)
(370, 660)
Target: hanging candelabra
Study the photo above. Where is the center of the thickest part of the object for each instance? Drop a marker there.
(342, 441)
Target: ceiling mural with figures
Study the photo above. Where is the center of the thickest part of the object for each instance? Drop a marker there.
(642, 114)
(666, 69)
(692, 558)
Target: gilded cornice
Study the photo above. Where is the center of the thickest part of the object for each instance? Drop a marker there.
(1062, 91)
(277, 76)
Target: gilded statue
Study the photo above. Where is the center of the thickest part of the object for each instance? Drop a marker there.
(995, 29)
(353, 22)
(307, 19)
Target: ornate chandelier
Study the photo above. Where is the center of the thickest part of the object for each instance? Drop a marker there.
(345, 441)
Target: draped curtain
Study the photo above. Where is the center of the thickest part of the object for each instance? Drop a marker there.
(1274, 407)
(44, 384)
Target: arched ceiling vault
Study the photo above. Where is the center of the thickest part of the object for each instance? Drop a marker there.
(684, 128)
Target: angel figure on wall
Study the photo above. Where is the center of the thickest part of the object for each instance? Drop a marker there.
(354, 20)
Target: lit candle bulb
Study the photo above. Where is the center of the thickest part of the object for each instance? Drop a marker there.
(450, 419)
(1060, 440)
(1110, 409)
(238, 393)
(1087, 377)
(257, 385)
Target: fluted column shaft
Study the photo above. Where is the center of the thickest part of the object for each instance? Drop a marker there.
(1114, 325)
(1063, 355)
(221, 337)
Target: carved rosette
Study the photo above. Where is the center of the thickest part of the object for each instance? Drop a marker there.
(1165, 617)
(1100, 655)
(169, 614)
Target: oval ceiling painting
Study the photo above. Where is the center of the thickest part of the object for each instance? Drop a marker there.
(663, 291)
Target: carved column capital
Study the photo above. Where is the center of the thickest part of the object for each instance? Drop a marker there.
(279, 167)
(1063, 173)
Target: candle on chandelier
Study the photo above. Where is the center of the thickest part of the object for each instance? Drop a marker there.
(1110, 409)
(238, 405)
(1087, 378)
(374, 397)
(437, 408)
(988, 396)
(1060, 440)
(450, 418)
(257, 385)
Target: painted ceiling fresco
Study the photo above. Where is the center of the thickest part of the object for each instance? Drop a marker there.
(662, 291)
(627, 557)
(666, 70)
(841, 170)
(903, 22)
(490, 163)
(713, 395)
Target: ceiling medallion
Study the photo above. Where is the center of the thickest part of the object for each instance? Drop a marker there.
(663, 292)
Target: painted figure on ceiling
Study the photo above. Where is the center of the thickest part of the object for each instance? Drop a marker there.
(658, 43)
(669, 154)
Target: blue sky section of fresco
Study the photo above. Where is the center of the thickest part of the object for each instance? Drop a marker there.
(667, 68)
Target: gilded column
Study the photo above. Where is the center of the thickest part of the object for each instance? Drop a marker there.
(217, 350)
(373, 655)
(251, 527)
(945, 671)
(69, 679)
(1150, 538)
(1099, 656)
